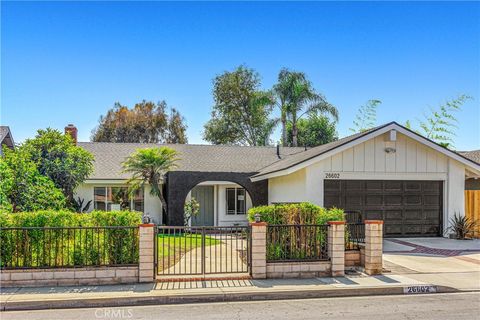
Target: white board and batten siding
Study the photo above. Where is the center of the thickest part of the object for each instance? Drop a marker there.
(369, 161)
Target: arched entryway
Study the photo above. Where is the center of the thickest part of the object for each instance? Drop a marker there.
(220, 203)
(180, 183)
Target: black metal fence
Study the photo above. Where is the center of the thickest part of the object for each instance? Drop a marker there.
(287, 243)
(354, 235)
(60, 247)
(202, 250)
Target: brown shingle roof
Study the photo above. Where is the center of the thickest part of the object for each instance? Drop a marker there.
(204, 158)
(473, 155)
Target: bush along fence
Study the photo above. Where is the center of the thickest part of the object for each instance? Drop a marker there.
(36, 256)
(305, 251)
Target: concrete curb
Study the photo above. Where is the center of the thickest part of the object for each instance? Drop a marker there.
(206, 298)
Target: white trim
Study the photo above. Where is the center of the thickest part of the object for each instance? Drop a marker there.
(348, 145)
(387, 176)
(106, 181)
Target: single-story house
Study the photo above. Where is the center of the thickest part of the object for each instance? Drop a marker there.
(388, 172)
(6, 139)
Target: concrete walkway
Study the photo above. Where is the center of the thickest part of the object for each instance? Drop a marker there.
(223, 257)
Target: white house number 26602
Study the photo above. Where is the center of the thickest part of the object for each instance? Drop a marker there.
(332, 175)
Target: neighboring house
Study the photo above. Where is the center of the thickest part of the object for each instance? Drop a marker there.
(472, 183)
(6, 139)
(388, 172)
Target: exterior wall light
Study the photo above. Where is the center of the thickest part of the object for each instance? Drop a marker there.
(390, 150)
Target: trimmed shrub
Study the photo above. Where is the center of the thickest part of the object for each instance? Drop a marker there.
(296, 213)
(64, 218)
(69, 247)
(298, 243)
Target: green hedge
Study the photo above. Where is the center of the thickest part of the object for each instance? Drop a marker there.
(51, 218)
(296, 213)
(75, 243)
(296, 243)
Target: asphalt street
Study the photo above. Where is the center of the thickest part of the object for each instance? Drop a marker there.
(434, 306)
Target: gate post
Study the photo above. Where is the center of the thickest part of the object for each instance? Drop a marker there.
(336, 247)
(373, 246)
(146, 272)
(259, 250)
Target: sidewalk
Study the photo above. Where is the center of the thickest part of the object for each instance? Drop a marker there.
(227, 290)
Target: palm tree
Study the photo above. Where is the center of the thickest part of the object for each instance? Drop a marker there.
(149, 166)
(298, 98)
(282, 90)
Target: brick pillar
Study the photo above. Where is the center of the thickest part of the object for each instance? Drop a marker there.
(146, 255)
(336, 247)
(373, 246)
(259, 250)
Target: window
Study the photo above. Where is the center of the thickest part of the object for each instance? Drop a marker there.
(236, 201)
(117, 198)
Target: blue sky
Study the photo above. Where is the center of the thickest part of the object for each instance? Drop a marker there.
(69, 62)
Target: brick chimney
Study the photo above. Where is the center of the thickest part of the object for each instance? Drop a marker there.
(72, 131)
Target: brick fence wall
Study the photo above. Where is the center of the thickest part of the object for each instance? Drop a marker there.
(68, 276)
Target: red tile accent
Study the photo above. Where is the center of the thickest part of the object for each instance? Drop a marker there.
(373, 221)
(335, 222)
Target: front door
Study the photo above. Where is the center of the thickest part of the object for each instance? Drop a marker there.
(204, 196)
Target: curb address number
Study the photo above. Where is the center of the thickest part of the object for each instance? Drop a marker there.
(419, 289)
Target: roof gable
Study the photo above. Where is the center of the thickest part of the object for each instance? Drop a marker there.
(299, 161)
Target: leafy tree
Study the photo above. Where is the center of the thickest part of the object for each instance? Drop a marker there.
(23, 187)
(146, 122)
(298, 98)
(241, 111)
(6, 185)
(58, 158)
(440, 124)
(313, 131)
(366, 117)
(149, 166)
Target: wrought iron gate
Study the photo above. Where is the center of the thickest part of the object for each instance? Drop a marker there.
(202, 250)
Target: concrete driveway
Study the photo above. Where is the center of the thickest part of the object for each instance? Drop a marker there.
(435, 260)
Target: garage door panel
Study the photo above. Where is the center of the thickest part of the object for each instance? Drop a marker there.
(332, 185)
(393, 215)
(412, 200)
(354, 200)
(412, 229)
(393, 186)
(394, 229)
(374, 215)
(415, 215)
(431, 200)
(408, 208)
(373, 200)
(374, 185)
(432, 187)
(413, 186)
(333, 201)
(354, 185)
(393, 200)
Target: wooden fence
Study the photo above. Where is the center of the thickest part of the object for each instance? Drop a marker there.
(472, 208)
